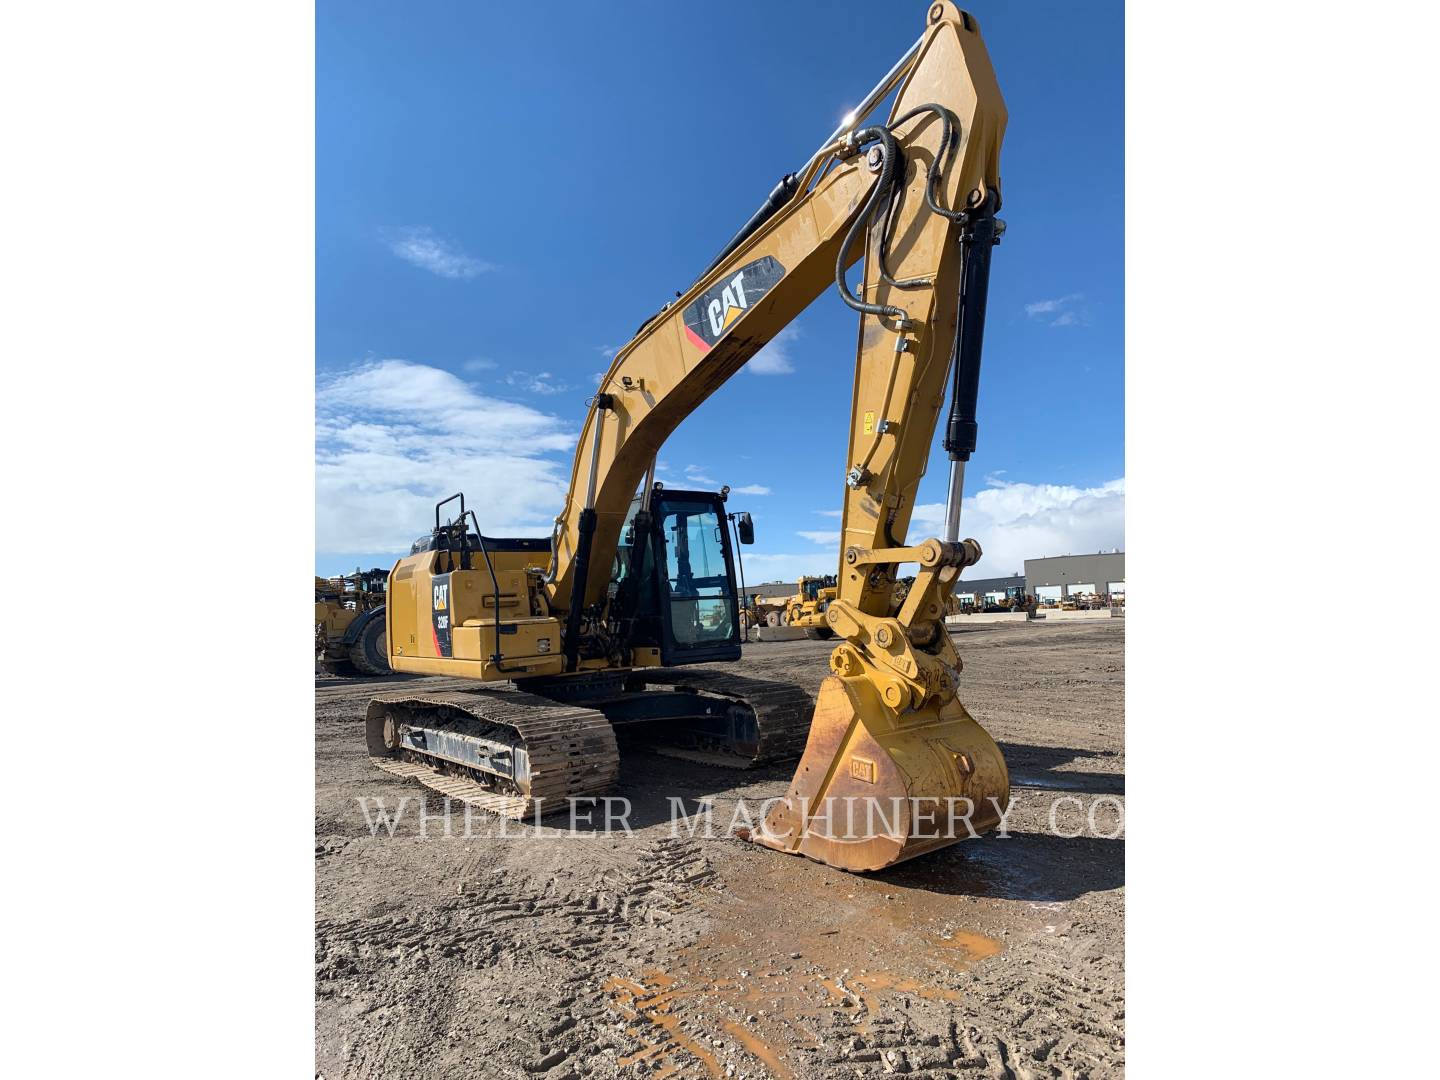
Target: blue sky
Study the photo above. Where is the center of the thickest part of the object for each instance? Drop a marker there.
(504, 192)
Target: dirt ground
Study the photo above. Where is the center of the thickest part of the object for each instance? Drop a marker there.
(562, 953)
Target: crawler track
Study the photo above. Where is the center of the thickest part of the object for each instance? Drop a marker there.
(782, 716)
(545, 752)
(561, 751)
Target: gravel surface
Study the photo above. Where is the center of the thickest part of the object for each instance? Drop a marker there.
(549, 952)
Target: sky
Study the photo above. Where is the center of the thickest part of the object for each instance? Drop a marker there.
(505, 192)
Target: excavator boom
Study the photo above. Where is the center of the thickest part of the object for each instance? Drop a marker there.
(769, 274)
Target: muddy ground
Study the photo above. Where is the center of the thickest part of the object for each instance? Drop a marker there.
(549, 954)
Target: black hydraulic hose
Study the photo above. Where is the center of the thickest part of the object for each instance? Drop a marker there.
(883, 254)
(943, 153)
(880, 195)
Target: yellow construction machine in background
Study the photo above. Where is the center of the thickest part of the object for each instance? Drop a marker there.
(350, 623)
(806, 609)
(757, 610)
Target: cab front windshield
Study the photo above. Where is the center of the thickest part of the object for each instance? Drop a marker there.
(702, 609)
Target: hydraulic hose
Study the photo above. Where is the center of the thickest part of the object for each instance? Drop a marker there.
(880, 195)
(884, 195)
(943, 153)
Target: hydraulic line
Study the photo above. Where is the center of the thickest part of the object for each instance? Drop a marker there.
(880, 195)
(944, 154)
(886, 192)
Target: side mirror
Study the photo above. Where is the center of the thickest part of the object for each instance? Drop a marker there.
(745, 526)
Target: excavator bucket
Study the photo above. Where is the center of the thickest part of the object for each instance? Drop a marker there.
(875, 787)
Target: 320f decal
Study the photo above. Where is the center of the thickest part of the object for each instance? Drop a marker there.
(440, 614)
(709, 317)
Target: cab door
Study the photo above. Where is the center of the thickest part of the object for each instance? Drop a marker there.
(695, 580)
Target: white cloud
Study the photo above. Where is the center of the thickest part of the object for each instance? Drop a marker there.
(536, 382)
(750, 489)
(695, 474)
(830, 538)
(1014, 522)
(419, 246)
(1062, 311)
(774, 358)
(394, 437)
(830, 513)
(1046, 307)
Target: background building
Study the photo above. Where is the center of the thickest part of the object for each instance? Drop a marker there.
(1054, 577)
(982, 588)
(1061, 575)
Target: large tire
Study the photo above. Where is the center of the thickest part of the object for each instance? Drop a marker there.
(369, 653)
(819, 633)
(772, 618)
(785, 618)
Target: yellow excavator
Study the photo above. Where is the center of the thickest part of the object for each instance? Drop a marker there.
(806, 608)
(595, 629)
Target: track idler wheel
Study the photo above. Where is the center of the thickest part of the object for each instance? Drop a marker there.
(875, 788)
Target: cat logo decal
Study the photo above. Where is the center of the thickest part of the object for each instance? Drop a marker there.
(709, 318)
(440, 614)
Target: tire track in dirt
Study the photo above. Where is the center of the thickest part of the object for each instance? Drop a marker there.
(396, 982)
(550, 957)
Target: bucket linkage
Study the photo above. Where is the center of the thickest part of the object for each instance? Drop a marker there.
(894, 765)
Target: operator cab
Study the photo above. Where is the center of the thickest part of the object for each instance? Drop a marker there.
(673, 581)
(811, 586)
